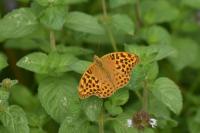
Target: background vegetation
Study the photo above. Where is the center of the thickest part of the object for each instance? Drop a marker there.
(46, 45)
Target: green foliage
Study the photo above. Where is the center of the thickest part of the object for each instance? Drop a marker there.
(168, 93)
(53, 17)
(48, 44)
(14, 119)
(47, 64)
(58, 99)
(160, 12)
(17, 24)
(85, 23)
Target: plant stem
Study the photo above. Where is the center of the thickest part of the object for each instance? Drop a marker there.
(110, 34)
(139, 95)
(145, 96)
(104, 8)
(52, 40)
(101, 122)
(139, 22)
(112, 39)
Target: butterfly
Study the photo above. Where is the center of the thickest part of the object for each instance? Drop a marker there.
(107, 74)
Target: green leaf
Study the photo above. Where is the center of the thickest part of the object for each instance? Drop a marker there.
(197, 116)
(147, 54)
(122, 24)
(47, 64)
(23, 44)
(4, 96)
(147, 72)
(74, 50)
(80, 125)
(59, 2)
(85, 23)
(17, 23)
(187, 53)
(192, 3)
(19, 93)
(92, 107)
(156, 35)
(54, 17)
(118, 3)
(37, 118)
(158, 11)
(59, 97)
(168, 93)
(3, 129)
(193, 126)
(120, 97)
(37, 130)
(14, 119)
(112, 109)
(194, 122)
(80, 66)
(120, 124)
(161, 113)
(3, 62)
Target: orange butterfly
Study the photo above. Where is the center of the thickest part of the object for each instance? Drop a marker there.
(107, 74)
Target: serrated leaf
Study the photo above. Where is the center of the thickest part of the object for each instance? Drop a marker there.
(118, 3)
(151, 53)
(3, 61)
(41, 63)
(59, 2)
(186, 53)
(112, 109)
(85, 23)
(147, 72)
(4, 96)
(80, 66)
(14, 119)
(156, 35)
(59, 97)
(80, 125)
(37, 118)
(120, 124)
(92, 107)
(168, 93)
(160, 12)
(120, 97)
(17, 23)
(54, 17)
(122, 24)
(74, 50)
(161, 113)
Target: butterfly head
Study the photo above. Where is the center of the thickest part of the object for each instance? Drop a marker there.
(97, 61)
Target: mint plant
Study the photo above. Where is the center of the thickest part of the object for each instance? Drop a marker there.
(46, 45)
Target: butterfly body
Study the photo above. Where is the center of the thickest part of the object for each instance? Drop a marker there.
(107, 74)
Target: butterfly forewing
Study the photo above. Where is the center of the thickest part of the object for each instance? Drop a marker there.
(121, 64)
(104, 80)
